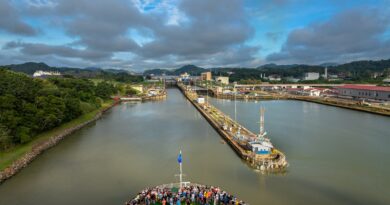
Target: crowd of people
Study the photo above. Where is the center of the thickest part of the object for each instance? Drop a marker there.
(187, 195)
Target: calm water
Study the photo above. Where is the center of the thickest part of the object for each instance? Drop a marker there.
(336, 156)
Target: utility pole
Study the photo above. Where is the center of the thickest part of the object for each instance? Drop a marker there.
(235, 102)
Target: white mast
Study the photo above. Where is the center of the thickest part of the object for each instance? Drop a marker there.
(235, 102)
(262, 131)
(261, 121)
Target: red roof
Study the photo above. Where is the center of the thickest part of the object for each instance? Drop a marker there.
(366, 87)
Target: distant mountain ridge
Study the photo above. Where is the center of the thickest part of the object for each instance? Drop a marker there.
(30, 67)
(191, 69)
(365, 67)
(355, 66)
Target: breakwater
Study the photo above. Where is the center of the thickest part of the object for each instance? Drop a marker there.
(228, 129)
(40, 147)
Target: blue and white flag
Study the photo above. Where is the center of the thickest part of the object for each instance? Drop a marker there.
(179, 159)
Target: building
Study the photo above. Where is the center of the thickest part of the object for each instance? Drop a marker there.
(206, 76)
(292, 79)
(274, 78)
(219, 89)
(222, 80)
(311, 92)
(200, 100)
(311, 76)
(365, 92)
(185, 76)
(40, 73)
(305, 91)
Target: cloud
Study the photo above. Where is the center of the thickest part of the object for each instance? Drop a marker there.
(137, 33)
(11, 22)
(39, 49)
(212, 28)
(351, 35)
(169, 32)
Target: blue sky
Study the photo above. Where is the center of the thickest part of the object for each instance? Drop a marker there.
(144, 34)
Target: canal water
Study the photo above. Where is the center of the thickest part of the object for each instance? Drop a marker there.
(336, 156)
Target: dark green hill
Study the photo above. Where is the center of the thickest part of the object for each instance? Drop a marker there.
(92, 72)
(191, 69)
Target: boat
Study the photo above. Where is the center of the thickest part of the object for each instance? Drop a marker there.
(183, 193)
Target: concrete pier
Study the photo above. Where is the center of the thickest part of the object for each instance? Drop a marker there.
(226, 127)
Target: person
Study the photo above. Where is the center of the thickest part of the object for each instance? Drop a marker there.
(193, 197)
(178, 202)
(164, 202)
(216, 199)
(171, 201)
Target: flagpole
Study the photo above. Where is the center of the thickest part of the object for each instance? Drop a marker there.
(181, 173)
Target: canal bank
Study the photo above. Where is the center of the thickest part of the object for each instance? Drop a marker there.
(18, 158)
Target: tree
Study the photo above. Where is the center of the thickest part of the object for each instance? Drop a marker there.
(5, 138)
(105, 90)
(30, 106)
(131, 91)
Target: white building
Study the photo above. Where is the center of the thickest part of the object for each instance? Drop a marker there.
(222, 79)
(305, 91)
(261, 148)
(184, 75)
(274, 78)
(201, 100)
(311, 76)
(40, 73)
(311, 92)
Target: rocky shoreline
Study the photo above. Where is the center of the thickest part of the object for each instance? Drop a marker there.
(39, 148)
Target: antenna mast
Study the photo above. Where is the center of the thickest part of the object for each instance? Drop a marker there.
(262, 110)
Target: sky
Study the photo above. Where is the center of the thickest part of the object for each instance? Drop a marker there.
(145, 34)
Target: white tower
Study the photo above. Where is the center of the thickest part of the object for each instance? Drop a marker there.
(326, 73)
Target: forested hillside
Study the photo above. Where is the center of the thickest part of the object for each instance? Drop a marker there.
(30, 106)
(106, 74)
